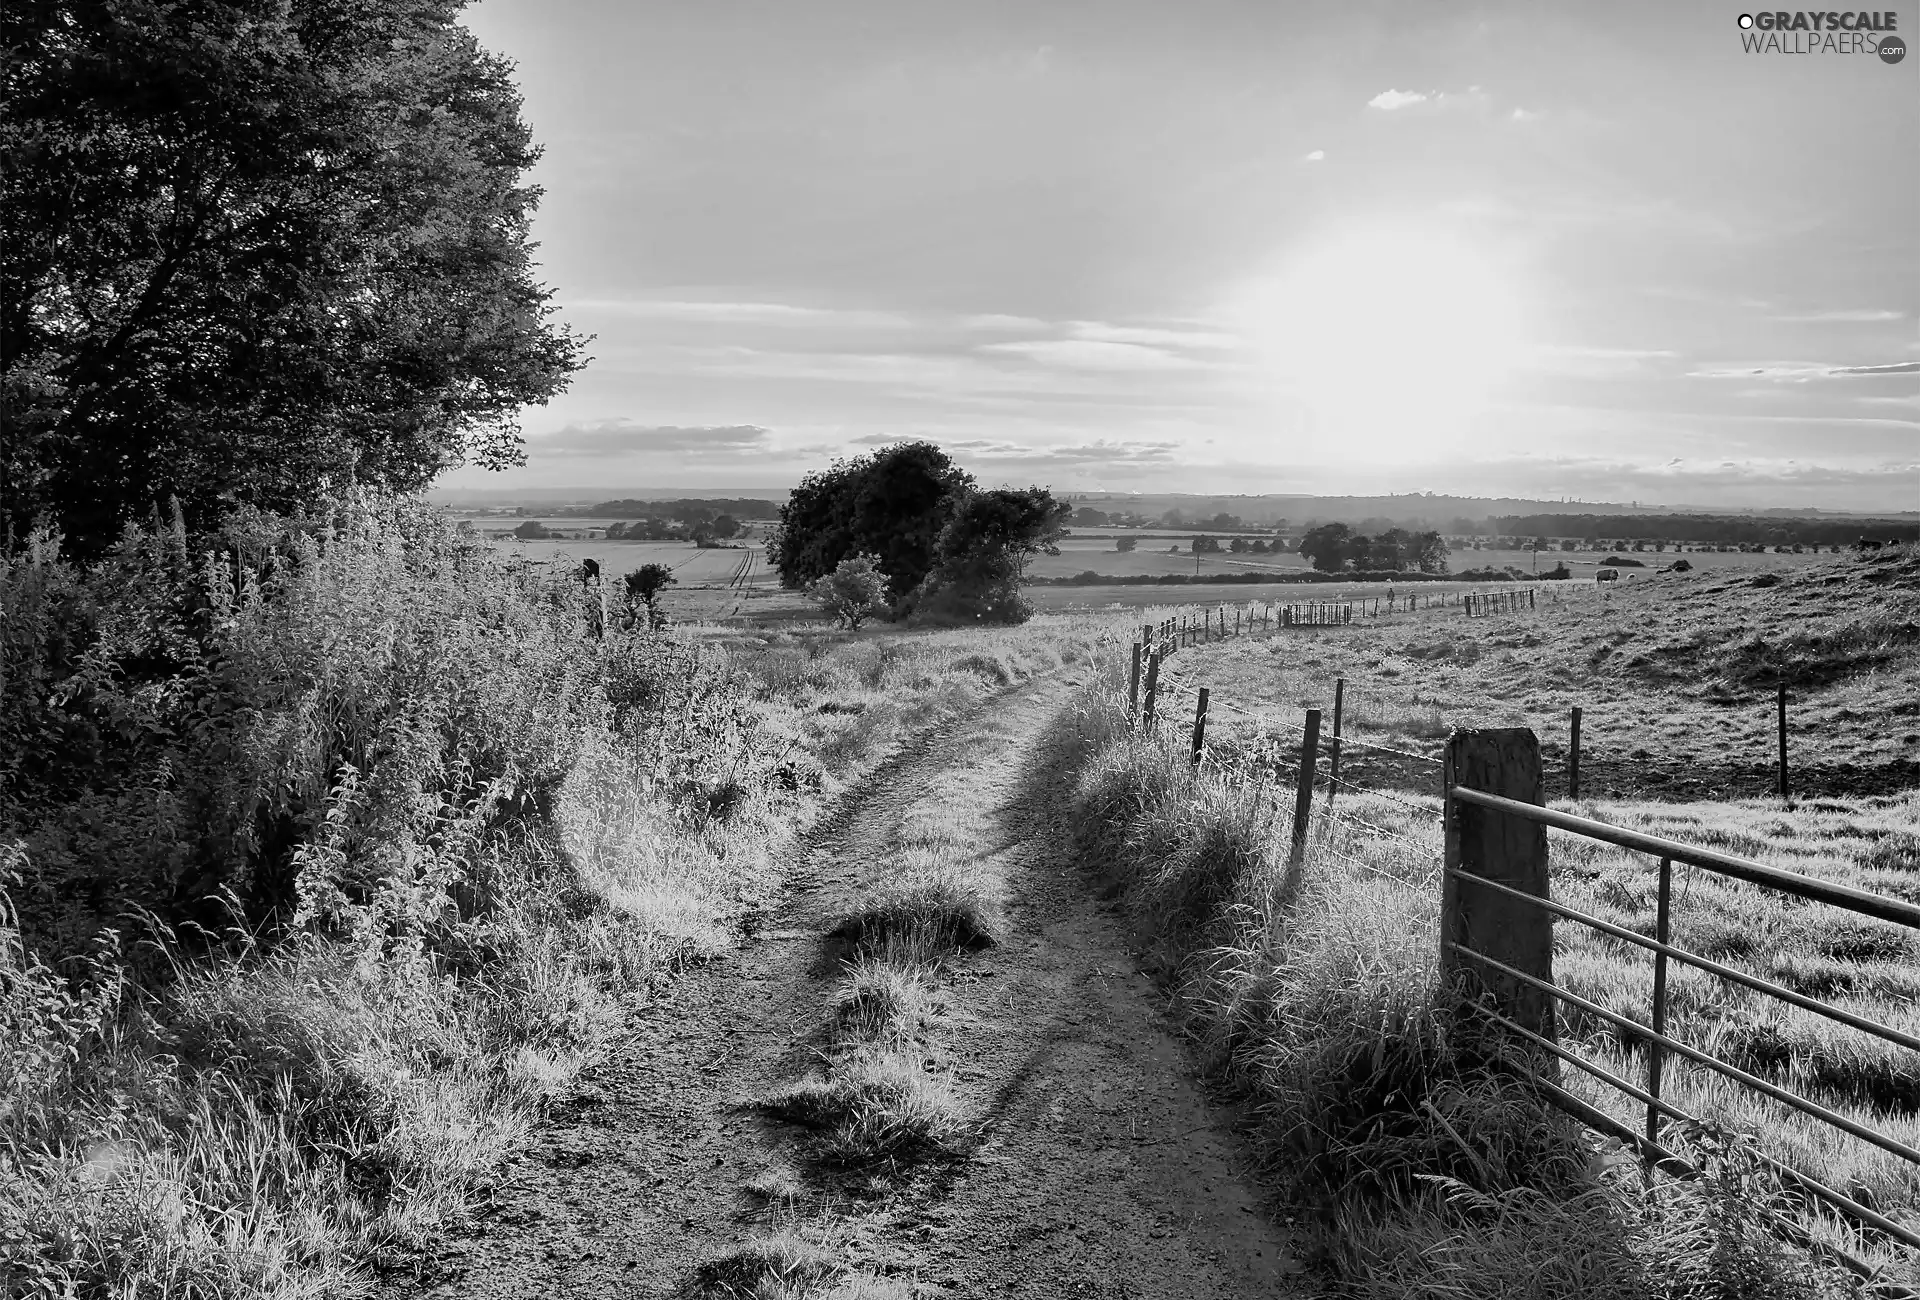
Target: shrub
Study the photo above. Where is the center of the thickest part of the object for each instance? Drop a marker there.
(855, 591)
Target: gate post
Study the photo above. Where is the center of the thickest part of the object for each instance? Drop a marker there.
(1501, 847)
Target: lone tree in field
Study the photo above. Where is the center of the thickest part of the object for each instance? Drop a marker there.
(645, 584)
(1125, 543)
(982, 555)
(257, 251)
(854, 592)
(891, 505)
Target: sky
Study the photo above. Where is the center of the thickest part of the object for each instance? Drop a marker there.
(1597, 251)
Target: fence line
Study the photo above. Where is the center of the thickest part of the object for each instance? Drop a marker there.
(1496, 915)
(1497, 896)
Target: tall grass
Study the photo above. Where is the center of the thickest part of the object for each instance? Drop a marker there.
(1426, 1163)
(331, 847)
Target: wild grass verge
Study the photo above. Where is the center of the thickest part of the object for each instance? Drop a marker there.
(1428, 1166)
(332, 847)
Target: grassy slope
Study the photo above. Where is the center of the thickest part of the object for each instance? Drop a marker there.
(1675, 679)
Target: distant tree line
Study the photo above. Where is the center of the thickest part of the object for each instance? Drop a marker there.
(1336, 548)
(948, 550)
(688, 508)
(1729, 530)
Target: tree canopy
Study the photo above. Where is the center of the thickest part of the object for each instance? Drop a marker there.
(255, 250)
(982, 553)
(890, 504)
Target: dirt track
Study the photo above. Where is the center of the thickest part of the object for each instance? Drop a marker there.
(1101, 1168)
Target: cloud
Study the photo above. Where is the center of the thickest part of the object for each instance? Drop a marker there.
(1092, 354)
(1897, 368)
(1524, 115)
(998, 321)
(1150, 335)
(1388, 100)
(1318, 155)
(739, 313)
(1860, 316)
(625, 437)
(1802, 371)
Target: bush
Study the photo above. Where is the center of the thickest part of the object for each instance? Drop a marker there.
(307, 716)
(855, 591)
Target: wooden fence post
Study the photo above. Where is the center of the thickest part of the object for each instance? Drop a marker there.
(1510, 850)
(1303, 795)
(1153, 689)
(1573, 757)
(1786, 790)
(1333, 759)
(1133, 688)
(1199, 726)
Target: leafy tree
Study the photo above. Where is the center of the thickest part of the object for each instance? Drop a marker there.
(725, 526)
(1258, 546)
(1125, 543)
(982, 554)
(855, 591)
(1238, 545)
(1225, 522)
(645, 584)
(1428, 552)
(256, 249)
(891, 504)
(1326, 547)
(532, 530)
(1206, 545)
(1088, 517)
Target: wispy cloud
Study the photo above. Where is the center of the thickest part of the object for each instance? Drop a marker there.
(998, 321)
(1093, 354)
(1897, 368)
(1318, 155)
(1801, 371)
(610, 438)
(1151, 336)
(1853, 316)
(739, 313)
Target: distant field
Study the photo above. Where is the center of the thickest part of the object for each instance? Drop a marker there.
(691, 565)
(1080, 553)
(1148, 595)
(1675, 677)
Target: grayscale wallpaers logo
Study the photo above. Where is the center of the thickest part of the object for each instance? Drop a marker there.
(1853, 32)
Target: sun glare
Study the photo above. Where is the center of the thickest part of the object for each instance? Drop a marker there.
(1400, 334)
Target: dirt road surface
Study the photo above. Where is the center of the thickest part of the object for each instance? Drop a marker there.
(1100, 1169)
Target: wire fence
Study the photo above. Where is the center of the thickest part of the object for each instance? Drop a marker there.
(1506, 956)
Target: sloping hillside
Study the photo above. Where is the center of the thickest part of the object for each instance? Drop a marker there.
(1675, 674)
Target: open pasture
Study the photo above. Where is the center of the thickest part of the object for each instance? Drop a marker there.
(1675, 676)
(692, 566)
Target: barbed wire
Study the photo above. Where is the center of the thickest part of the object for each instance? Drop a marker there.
(1375, 827)
(1388, 749)
(1391, 798)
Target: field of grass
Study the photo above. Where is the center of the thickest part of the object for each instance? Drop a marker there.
(1675, 677)
(1426, 1171)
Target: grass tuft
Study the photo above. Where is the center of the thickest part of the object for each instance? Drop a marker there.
(874, 1110)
